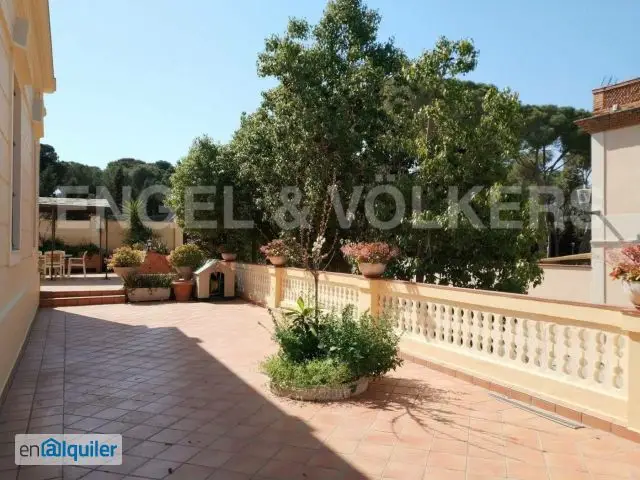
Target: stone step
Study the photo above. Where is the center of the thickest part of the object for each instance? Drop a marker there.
(81, 293)
(78, 301)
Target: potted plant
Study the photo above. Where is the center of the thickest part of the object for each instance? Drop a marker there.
(329, 356)
(276, 251)
(186, 258)
(228, 256)
(125, 260)
(371, 258)
(149, 287)
(627, 269)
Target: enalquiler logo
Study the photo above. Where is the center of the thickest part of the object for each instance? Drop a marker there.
(68, 449)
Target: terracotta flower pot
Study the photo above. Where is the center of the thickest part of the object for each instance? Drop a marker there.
(185, 272)
(229, 257)
(124, 271)
(632, 289)
(372, 270)
(182, 290)
(278, 261)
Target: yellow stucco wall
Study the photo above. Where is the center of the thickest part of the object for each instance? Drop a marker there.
(19, 280)
(564, 282)
(75, 232)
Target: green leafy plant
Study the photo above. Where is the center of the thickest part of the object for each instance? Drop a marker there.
(284, 372)
(367, 345)
(187, 255)
(297, 332)
(79, 249)
(328, 348)
(155, 243)
(47, 245)
(126, 257)
(148, 280)
(137, 232)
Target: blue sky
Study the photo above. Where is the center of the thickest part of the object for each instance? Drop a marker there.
(142, 78)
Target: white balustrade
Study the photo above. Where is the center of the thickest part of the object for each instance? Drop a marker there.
(577, 355)
(335, 292)
(582, 354)
(253, 283)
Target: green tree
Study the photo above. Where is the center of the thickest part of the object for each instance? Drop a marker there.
(555, 152)
(118, 185)
(137, 232)
(212, 165)
(319, 129)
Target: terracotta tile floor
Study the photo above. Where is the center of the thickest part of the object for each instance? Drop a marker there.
(181, 383)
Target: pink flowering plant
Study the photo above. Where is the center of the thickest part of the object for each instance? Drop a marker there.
(375, 252)
(626, 264)
(275, 248)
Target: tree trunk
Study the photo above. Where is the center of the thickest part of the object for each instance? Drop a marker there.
(315, 287)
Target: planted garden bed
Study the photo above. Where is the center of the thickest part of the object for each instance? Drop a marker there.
(148, 287)
(329, 356)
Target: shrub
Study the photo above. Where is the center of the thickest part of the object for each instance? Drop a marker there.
(137, 232)
(78, 250)
(275, 248)
(376, 252)
(284, 372)
(627, 264)
(126, 257)
(368, 345)
(317, 346)
(187, 255)
(148, 280)
(73, 250)
(156, 245)
(297, 332)
(47, 245)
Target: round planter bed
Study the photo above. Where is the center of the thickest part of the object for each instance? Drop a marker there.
(323, 393)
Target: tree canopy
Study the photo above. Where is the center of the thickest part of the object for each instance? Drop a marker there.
(117, 175)
(352, 115)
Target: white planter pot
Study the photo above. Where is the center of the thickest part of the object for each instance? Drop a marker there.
(229, 257)
(148, 294)
(185, 272)
(372, 270)
(278, 261)
(124, 271)
(632, 289)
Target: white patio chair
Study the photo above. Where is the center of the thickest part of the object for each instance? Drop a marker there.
(78, 262)
(54, 263)
(41, 265)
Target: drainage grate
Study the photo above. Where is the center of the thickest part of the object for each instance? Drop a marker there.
(538, 411)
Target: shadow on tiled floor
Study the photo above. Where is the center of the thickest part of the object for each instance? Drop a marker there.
(181, 383)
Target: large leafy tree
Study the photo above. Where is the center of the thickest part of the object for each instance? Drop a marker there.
(214, 166)
(349, 109)
(459, 136)
(319, 129)
(555, 152)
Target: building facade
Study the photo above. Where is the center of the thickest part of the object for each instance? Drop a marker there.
(615, 200)
(26, 74)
